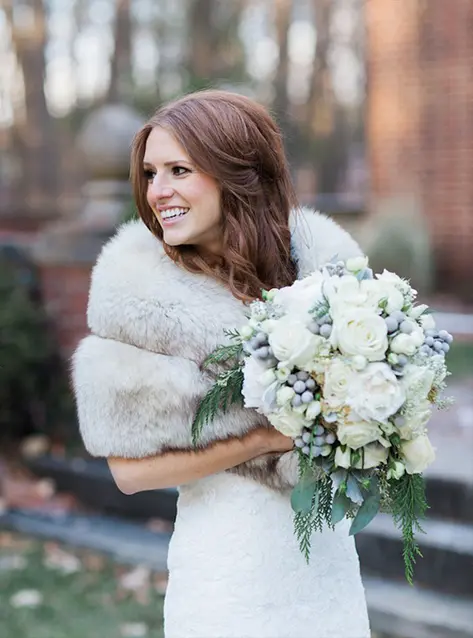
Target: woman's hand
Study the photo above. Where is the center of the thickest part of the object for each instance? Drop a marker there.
(271, 440)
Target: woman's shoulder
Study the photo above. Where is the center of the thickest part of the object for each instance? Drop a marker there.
(317, 239)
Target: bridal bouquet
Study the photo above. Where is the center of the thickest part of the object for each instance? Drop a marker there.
(349, 366)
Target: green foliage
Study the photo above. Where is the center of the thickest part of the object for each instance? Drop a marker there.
(226, 392)
(409, 505)
(34, 394)
(224, 354)
(368, 509)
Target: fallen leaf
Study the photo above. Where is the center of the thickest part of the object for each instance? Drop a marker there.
(26, 598)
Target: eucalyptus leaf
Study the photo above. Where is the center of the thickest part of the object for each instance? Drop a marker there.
(353, 491)
(340, 506)
(368, 509)
(303, 494)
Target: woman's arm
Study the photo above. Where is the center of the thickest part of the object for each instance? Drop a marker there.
(177, 468)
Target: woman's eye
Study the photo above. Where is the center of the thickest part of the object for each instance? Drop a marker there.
(149, 175)
(178, 171)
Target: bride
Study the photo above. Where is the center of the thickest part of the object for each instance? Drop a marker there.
(219, 223)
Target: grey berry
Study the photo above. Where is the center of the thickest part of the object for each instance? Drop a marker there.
(391, 324)
(319, 440)
(299, 443)
(431, 333)
(438, 346)
(326, 330)
(402, 360)
(254, 343)
(262, 338)
(291, 379)
(316, 451)
(429, 341)
(398, 315)
(330, 438)
(296, 401)
(310, 384)
(307, 397)
(399, 421)
(302, 375)
(299, 387)
(406, 327)
(443, 334)
(445, 347)
(306, 450)
(425, 350)
(262, 353)
(313, 327)
(318, 430)
(306, 437)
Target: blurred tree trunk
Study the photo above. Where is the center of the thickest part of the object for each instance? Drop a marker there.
(282, 18)
(319, 112)
(35, 133)
(120, 71)
(202, 41)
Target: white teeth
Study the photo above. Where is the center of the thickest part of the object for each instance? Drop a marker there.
(173, 212)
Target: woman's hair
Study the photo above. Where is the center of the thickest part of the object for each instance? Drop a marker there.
(234, 140)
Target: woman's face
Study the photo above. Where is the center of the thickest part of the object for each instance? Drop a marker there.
(186, 202)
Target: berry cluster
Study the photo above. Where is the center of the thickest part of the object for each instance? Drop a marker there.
(321, 326)
(317, 438)
(436, 342)
(304, 387)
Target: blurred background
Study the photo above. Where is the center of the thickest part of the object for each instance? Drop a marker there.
(375, 99)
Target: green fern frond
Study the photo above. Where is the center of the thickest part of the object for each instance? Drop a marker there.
(408, 508)
(226, 391)
(223, 354)
(323, 515)
(304, 527)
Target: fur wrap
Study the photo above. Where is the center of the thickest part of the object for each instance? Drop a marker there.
(138, 375)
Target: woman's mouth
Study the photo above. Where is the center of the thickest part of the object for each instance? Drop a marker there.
(173, 215)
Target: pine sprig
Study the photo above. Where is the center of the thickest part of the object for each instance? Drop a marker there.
(304, 527)
(226, 391)
(408, 503)
(324, 508)
(223, 354)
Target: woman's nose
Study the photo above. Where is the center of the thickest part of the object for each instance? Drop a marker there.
(159, 189)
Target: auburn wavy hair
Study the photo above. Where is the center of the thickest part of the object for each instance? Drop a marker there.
(234, 140)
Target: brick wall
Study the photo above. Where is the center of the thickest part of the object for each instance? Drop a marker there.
(420, 122)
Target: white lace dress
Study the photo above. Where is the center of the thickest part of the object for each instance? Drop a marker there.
(236, 570)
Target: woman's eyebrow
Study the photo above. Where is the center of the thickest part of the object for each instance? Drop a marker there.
(169, 163)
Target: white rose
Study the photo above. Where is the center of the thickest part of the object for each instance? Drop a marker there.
(403, 344)
(374, 455)
(396, 471)
(338, 378)
(347, 291)
(355, 264)
(375, 394)
(284, 395)
(394, 299)
(287, 422)
(361, 332)
(301, 296)
(427, 322)
(394, 280)
(343, 459)
(282, 373)
(418, 454)
(255, 383)
(292, 343)
(357, 434)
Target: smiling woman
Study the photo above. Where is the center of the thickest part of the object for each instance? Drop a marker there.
(212, 184)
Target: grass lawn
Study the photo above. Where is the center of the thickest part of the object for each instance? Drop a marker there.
(51, 591)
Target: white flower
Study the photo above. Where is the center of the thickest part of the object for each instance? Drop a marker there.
(255, 383)
(427, 322)
(283, 372)
(396, 471)
(313, 410)
(416, 311)
(292, 343)
(301, 296)
(418, 454)
(284, 395)
(361, 332)
(375, 394)
(355, 264)
(359, 362)
(404, 344)
(372, 455)
(417, 382)
(246, 332)
(346, 291)
(338, 378)
(287, 421)
(394, 299)
(258, 312)
(343, 459)
(267, 377)
(357, 434)
(391, 278)
(415, 422)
